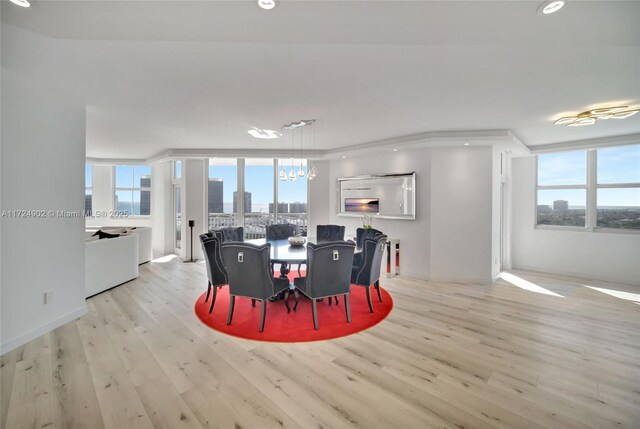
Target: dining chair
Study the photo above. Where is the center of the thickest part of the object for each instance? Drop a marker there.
(362, 233)
(216, 272)
(250, 275)
(366, 265)
(329, 233)
(229, 233)
(280, 231)
(328, 274)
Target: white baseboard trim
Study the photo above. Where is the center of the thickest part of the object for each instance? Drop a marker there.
(41, 330)
(586, 276)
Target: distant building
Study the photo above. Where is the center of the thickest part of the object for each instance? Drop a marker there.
(543, 208)
(88, 204)
(282, 208)
(216, 189)
(561, 205)
(145, 196)
(247, 202)
(297, 207)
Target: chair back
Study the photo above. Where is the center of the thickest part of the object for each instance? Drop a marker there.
(329, 268)
(248, 269)
(362, 233)
(368, 272)
(329, 233)
(229, 233)
(280, 231)
(216, 271)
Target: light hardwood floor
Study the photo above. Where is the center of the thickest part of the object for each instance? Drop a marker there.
(448, 356)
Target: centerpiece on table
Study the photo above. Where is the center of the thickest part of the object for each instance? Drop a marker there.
(297, 240)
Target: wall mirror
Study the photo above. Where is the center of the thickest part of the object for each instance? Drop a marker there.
(391, 196)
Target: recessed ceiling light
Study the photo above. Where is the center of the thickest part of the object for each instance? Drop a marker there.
(267, 4)
(23, 3)
(395, 150)
(264, 134)
(466, 144)
(550, 6)
(343, 157)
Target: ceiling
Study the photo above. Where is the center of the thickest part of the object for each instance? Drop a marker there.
(197, 75)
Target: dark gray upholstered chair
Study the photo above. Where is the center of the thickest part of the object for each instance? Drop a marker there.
(328, 274)
(366, 265)
(250, 275)
(229, 233)
(329, 233)
(362, 233)
(280, 231)
(216, 273)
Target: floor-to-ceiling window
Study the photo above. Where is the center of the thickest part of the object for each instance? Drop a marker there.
(223, 199)
(266, 198)
(176, 181)
(258, 196)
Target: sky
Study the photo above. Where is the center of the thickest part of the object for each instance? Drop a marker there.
(614, 165)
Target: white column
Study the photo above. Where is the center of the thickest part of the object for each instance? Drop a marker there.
(193, 207)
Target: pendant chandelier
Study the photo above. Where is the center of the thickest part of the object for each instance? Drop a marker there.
(312, 172)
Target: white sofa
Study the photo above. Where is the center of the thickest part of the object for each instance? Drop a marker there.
(110, 262)
(145, 249)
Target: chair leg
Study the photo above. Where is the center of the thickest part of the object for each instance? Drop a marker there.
(253, 303)
(367, 288)
(263, 314)
(330, 300)
(208, 292)
(213, 298)
(314, 313)
(297, 296)
(377, 283)
(346, 307)
(337, 300)
(286, 301)
(232, 303)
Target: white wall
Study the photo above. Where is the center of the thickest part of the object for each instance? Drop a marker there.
(451, 236)
(597, 255)
(43, 155)
(162, 220)
(194, 199)
(318, 198)
(102, 201)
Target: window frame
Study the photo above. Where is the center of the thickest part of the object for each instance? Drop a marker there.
(140, 189)
(591, 188)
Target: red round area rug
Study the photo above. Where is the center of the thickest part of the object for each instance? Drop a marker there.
(297, 326)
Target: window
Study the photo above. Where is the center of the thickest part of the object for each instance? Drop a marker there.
(618, 183)
(88, 190)
(258, 197)
(292, 195)
(595, 188)
(562, 189)
(223, 192)
(177, 170)
(132, 193)
(266, 199)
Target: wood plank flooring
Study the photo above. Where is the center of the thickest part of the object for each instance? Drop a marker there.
(448, 356)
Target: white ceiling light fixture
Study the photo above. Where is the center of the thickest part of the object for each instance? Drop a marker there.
(21, 3)
(264, 134)
(590, 117)
(551, 6)
(267, 4)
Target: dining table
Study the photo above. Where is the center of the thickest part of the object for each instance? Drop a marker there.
(285, 254)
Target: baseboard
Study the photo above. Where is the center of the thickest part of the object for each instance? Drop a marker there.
(41, 330)
(543, 270)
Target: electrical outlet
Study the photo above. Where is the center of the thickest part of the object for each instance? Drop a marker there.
(48, 297)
